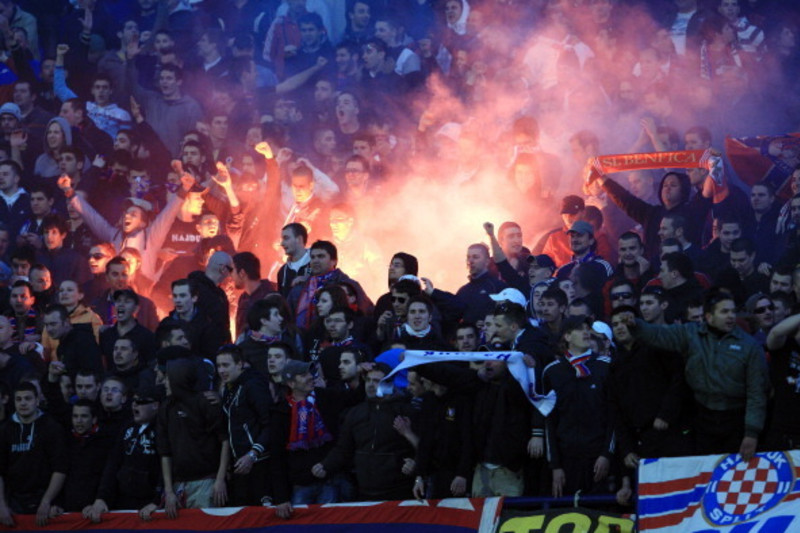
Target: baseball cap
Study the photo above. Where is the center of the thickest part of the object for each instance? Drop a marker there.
(295, 368)
(603, 329)
(511, 295)
(581, 226)
(10, 108)
(572, 205)
(542, 260)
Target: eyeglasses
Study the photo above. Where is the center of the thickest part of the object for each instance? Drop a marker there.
(621, 295)
(764, 308)
(399, 299)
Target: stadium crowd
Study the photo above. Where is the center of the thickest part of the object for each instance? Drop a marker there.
(194, 305)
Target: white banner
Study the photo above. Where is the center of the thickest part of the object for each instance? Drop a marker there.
(514, 361)
(713, 493)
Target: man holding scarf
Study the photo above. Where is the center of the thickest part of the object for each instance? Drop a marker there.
(303, 429)
(323, 271)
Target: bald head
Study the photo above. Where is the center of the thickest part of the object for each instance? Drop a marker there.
(219, 267)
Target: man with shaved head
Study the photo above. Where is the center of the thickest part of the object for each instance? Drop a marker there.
(211, 298)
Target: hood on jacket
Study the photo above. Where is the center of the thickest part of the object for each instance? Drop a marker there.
(683, 180)
(65, 127)
(182, 375)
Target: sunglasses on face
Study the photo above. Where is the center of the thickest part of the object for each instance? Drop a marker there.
(621, 295)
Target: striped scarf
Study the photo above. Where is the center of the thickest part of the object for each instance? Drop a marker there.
(578, 362)
(345, 342)
(260, 337)
(30, 325)
(307, 428)
(305, 306)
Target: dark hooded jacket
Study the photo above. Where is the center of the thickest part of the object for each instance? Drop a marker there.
(649, 215)
(190, 429)
(79, 351)
(29, 454)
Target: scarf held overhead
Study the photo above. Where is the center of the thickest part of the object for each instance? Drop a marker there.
(514, 361)
(608, 164)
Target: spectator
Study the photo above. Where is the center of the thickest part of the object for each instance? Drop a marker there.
(192, 442)
(35, 473)
(368, 438)
(580, 460)
(731, 413)
(246, 403)
(133, 468)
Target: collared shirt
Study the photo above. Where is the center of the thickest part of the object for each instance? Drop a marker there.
(300, 263)
(13, 198)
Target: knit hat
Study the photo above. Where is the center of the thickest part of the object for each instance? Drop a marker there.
(10, 108)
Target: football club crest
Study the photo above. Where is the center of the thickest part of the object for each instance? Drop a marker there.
(739, 491)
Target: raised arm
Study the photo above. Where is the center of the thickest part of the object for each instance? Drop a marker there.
(60, 88)
(324, 186)
(634, 207)
(781, 331)
(99, 225)
(674, 338)
(293, 82)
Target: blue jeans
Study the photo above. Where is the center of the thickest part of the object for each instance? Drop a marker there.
(320, 492)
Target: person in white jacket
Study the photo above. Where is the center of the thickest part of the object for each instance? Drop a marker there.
(134, 228)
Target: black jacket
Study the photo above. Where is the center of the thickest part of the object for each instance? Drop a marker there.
(579, 425)
(289, 468)
(650, 215)
(445, 444)
(212, 301)
(133, 470)
(29, 455)
(87, 458)
(144, 339)
(190, 430)
(79, 351)
(255, 351)
(501, 416)
(246, 403)
(369, 441)
(644, 384)
(205, 335)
